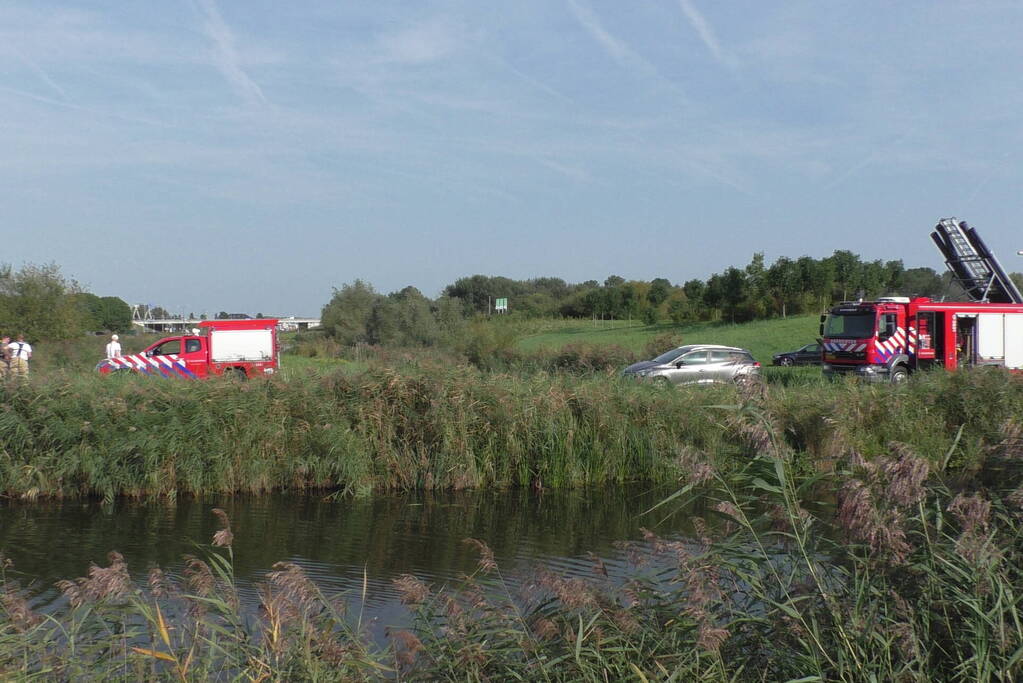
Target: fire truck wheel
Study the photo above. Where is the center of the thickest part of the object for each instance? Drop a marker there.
(238, 374)
(898, 375)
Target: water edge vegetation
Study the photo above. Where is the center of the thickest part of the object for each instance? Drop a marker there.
(902, 579)
(429, 426)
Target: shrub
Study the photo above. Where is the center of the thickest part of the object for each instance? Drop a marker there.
(661, 343)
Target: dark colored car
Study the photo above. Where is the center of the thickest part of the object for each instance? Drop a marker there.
(697, 364)
(808, 355)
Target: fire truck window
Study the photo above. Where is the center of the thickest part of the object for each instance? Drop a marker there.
(192, 345)
(886, 325)
(168, 347)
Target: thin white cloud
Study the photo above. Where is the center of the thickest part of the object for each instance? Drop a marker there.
(615, 48)
(706, 33)
(225, 53)
(421, 44)
(577, 174)
(40, 72)
(76, 107)
(526, 78)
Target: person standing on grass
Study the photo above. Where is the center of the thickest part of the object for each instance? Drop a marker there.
(21, 353)
(113, 347)
(5, 356)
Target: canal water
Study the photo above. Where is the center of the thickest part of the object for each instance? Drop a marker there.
(338, 541)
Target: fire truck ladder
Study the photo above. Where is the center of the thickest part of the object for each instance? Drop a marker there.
(972, 264)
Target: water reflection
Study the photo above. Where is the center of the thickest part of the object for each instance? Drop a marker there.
(335, 540)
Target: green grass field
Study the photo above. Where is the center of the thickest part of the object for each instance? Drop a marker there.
(763, 337)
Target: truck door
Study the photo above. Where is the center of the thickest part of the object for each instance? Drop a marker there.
(927, 337)
(990, 337)
(888, 341)
(164, 359)
(1014, 340)
(195, 357)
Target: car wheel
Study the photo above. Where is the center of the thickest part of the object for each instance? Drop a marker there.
(898, 375)
(662, 382)
(786, 361)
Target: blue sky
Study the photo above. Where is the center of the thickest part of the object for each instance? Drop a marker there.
(250, 156)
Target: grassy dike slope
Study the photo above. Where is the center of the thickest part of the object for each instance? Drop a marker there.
(763, 337)
(443, 427)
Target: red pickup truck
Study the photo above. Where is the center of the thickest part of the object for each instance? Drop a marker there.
(248, 348)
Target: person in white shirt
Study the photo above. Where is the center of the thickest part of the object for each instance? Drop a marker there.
(21, 352)
(114, 347)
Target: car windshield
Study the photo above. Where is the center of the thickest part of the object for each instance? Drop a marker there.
(669, 356)
(850, 325)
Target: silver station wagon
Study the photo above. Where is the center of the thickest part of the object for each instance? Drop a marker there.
(698, 364)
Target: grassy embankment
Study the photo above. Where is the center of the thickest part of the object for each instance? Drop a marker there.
(763, 338)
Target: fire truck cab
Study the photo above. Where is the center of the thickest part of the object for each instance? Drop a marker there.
(889, 338)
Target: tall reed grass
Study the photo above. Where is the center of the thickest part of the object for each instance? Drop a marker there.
(902, 579)
(428, 426)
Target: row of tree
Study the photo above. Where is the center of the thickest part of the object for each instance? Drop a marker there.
(357, 313)
(755, 291)
(40, 303)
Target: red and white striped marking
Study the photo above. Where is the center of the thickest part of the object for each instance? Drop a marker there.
(138, 361)
(893, 343)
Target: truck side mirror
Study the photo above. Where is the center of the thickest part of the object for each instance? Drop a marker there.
(820, 330)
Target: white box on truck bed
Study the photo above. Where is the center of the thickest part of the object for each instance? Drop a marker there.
(235, 345)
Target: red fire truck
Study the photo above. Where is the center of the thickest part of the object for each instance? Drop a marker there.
(246, 348)
(891, 337)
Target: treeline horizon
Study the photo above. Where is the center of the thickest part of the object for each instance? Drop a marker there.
(357, 313)
(39, 302)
